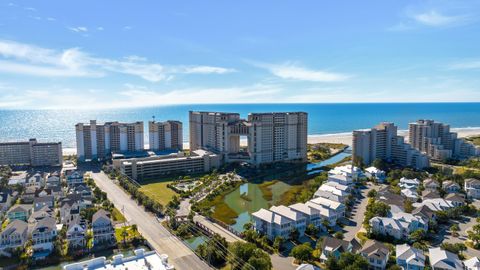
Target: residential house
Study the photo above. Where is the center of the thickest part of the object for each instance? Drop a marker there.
(335, 247)
(29, 194)
(297, 217)
(70, 207)
(472, 264)
(435, 204)
(103, 232)
(409, 183)
(352, 173)
(425, 213)
(444, 260)
(430, 184)
(450, 186)
(76, 234)
(40, 202)
(326, 214)
(337, 208)
(395, 201)
(272, 225)
(20, 212)
(399, 226)
(456, 199)
(75, 178)
(36, 181)
(472, 188)
(410, 258)
(53, 180)
(430, 194)
(84, 190)
(40, 214)
(410, 194)
(341, 179)
(312, 215)
(18, 178)
(6, 200)
(14, 235)
(377, 255)
(377, 174)
(339, 186)
(332, 193)
(43, 235)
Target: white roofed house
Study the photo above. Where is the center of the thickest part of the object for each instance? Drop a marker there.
(399, 226)
(298, 218)
(311, 214)
(377, 174)
(272, 225)
(472, 264)
(450, 186)
(53, 180)
(410, 258)
(14, 235)
(6, 200)
(20, 211)
(472, 188)
(431, 184)
(43, 235)
(339, 186)
(377, 255)
(332, 193)
(341, 179)
(327, 214)
(409, 183)
(103, 232)
(352, 172)
(456, 199)
(435, 205)
(444, 260)
(36, 180)
(337, 208)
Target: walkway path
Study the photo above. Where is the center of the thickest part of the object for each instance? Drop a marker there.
(229, 236)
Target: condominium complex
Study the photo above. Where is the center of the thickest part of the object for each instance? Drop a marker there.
(382, 142)
(31, 153)
(271, 137)
(165, 135)
(95, 141)
(198, 161)
(436, 140)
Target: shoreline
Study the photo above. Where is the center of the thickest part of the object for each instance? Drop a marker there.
(341, 137)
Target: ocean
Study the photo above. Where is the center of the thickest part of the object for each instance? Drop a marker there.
(59, 125)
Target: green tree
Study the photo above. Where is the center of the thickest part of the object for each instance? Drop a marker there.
(417, 236)
(277, 243)
(247, 253)
(347, 261)
(455, 229)
(302, 253)
(338, 235)
(311, 229)
(408, 206)
(214, 250)
(474, 235)
(372, 193)
(294, 234)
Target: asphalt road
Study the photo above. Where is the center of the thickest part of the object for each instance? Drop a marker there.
(160, 238)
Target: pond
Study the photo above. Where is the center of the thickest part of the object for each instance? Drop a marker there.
(194, 242)
(248, 198)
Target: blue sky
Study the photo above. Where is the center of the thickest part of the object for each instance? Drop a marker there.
(109, 54)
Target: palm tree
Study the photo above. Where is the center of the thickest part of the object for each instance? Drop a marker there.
(124, 235)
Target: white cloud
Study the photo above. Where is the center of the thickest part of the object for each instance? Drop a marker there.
(100, 28)
(127, 28)
(27, 59)
(292, 71)
(79, 29)
(51, 19)
(434, 18)
(468, 64)
(30, 9)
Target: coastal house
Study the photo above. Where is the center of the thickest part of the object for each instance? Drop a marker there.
(435, 204)
(339, 186)
(399, 226)
(297, 217)
(312, 215)
(332, 193)
(103, 232)
(351, 172)
(406, 183)
(36, 181)
(20, 212)
(76, 234)
(18, 178)
(409, 257)
(456, 199)
(444, 260)
(335, 247)
(395, 201)
(326, 215)
(337, 208)
(425, 213)
(410, 194)
(29, 194)
(430, 184)
(450, 186)
(341, 179)
(272, 224)
(472, 188)
(82, 189)
(53, 180)
(43, 235)
(377, 254)
(14, 235)
(376, 174)
(472, 264)
(40, 214)
(40, 202)
(74, 178)
(430, 194)
(6, 200)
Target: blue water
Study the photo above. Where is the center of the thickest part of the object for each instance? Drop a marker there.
(58, 125)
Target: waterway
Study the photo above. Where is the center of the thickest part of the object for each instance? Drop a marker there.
(248, 198)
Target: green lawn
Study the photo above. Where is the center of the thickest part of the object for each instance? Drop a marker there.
(131, 234)
(158, 191)
(117, 215)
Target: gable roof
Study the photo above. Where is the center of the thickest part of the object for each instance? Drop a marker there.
(16, 225)
(101, 213)
(444, 259)
(47, 222)
(20, 208)
(455, 197)
(376, 250)
(411, 255)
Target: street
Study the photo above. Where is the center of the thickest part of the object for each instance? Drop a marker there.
(160, 238)
(358, 212)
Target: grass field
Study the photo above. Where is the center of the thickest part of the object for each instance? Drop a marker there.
(158, 191)
(117, 215)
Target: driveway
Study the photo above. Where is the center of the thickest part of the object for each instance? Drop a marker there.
(358, 212)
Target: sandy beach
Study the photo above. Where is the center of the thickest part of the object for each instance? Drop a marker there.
(344, 137)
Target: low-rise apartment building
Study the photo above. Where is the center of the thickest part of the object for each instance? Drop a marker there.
(472, 188)
(398, 226)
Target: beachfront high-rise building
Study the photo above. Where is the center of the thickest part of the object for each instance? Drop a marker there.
(165, 135)
(31, 153)
(382, 142)
(271, 137)
(436, 140)
(98, 141)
